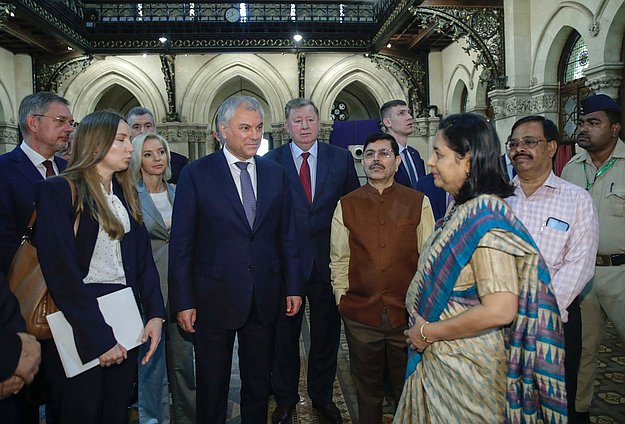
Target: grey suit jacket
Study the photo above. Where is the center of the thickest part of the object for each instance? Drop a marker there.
(159, 235)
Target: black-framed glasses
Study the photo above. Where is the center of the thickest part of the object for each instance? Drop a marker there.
(383, 153)
(529, 142)
(63, 120)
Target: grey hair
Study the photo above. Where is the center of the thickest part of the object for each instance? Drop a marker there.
(37, 104)
(231, 104)
(298, 103)
(139, 110)
(137, 154)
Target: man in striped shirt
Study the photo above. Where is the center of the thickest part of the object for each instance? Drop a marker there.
(562, 219)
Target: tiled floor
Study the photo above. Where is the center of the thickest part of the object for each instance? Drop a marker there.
(608, 406)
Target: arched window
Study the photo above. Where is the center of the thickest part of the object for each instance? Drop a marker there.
(464, 100)
(577, 59)
(573, 62)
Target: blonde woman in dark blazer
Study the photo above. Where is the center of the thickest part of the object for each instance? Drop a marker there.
(151, 168)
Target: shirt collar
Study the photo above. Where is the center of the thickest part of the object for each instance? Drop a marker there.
(618, 152)
(552, 181)
(232, 159)
(34, 156)
(297, 152)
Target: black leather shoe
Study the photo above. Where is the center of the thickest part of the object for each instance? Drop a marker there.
(330, 412)
(282, 414)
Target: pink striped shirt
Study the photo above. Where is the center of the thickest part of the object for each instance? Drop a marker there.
(562, 219)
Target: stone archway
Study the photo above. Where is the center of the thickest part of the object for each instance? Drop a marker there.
(460, 80)
(198, 102)
(87, 89)
(382, 85)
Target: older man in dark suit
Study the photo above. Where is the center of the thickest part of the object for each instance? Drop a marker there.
(319, 174)
(46, 124)
(233, 262)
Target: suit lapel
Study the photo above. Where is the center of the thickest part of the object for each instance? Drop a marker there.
(323, 167)
(149, 208)
(287, 162)
(224, 179)
(25, 167)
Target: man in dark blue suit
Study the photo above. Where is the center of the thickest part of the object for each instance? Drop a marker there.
(141, 120)
(46, 123)
(319, 174)
(20, 354)
(397, 119)
(234, 262)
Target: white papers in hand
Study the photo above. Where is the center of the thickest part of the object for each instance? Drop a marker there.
(120, 312)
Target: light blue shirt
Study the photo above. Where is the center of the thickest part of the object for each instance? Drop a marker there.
(312, 162)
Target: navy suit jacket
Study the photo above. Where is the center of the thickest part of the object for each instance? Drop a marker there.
(11, 322)
(401, 176)
(217, 263)
(178, 162)
(65, 263)
(437, 196)
(18, 177)
(335, 177)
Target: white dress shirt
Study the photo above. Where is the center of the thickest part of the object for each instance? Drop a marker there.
(236, 172)
(38, 160)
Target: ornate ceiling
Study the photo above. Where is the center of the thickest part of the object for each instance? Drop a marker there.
(46, 28)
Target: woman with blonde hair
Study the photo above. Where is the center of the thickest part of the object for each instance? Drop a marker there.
(108, 251)
(151, 169)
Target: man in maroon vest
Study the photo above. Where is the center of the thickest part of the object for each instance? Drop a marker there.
(377, 233)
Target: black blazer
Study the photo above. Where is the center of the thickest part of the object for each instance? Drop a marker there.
(437, 196)
(178, 161)
(65, 263)
(18, 177)
(401, 176)
(11, 322)
(335, 177)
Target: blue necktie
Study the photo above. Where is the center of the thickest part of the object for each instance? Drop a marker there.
(247, 193)
(408, 165)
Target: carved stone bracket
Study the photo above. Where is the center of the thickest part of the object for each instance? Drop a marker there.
(278, 134)
(511, 104)
(169, 74)
(325, 130)
(483, 29)
(301, 73)
(411, 73)
(51, 77)
(605, 79)
(8, 137)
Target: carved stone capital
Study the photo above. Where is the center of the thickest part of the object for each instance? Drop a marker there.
(8, 137)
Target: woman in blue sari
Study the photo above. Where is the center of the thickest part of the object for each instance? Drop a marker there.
(485, 338)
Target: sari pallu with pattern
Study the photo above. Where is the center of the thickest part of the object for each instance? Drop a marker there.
(535, 389)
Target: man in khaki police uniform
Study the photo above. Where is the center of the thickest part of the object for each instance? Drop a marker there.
(600, 169)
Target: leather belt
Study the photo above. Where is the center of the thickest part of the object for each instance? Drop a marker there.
(610, 260)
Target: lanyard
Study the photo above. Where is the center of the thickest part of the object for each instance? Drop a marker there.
(603, 169)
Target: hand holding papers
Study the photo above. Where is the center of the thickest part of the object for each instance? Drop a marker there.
(120, 312)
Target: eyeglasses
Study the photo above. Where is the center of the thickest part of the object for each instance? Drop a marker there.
(529, 142)
(383, 153)
(60, 119)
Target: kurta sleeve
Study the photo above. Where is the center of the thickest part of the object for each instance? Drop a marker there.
(426, 225)
(339, 254)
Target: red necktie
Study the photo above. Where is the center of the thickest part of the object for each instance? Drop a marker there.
(304, 176)
(49, 169)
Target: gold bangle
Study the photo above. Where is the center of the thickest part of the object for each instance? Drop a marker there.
(423, 337)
